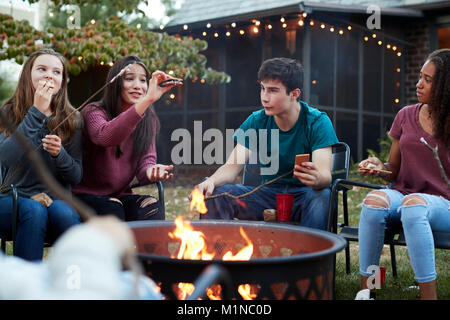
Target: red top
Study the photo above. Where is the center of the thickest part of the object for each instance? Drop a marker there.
(419, 170)
(103, 173)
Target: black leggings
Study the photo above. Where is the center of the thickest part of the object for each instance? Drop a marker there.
(131, 208)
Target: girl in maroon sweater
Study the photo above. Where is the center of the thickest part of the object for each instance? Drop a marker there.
(120, 132)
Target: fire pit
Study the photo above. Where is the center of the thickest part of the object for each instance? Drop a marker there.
(288, 262)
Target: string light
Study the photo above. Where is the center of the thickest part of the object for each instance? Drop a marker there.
(228, 33)
(388, 46)
(233, 25)
(332, 29)
(301, 23)
(185, 27)
(80, 58)
(242, 32)
(172, 96)
(398, 70)
(399, 54)
(51, 14)
(349, 28)
(366, 38)
(204, 33)
(161, 27)
(305, 14)
(111, 64)
(380, 43)
(311, 23)
(322, 26)
(255, 30)
(93, 21)
(282, 19)
(216, 35)
(269, 26)
(284, 25)
(394, 48)
(341, 31)
(208, 25)
(397, 100)
(170, 72)
(374, 35)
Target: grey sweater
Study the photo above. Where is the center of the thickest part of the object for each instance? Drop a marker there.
(66, 167)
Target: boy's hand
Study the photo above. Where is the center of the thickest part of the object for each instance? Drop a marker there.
(206, 187)
(307, 173)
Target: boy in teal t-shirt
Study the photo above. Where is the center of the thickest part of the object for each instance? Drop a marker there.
(273, 137)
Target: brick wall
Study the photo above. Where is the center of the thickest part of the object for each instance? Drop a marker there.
(419, 35)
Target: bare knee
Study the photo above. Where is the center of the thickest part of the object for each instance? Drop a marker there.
(147, 201)
(377, 200)
(116, 200)
(413, 200)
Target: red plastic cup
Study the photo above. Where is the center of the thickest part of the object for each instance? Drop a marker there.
(284, 206)
(382, 276)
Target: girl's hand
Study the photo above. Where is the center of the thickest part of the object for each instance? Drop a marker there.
(154, 91)
(43, 96)
(52, 144)
(366, 167)
(159, 172)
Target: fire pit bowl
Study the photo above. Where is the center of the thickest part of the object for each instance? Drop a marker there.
(288, 262)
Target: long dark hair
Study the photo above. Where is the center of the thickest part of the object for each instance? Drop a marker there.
(17, 106)
(440, 94)
(149, 126)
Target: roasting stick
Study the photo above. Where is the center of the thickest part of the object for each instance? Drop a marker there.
(226, 194)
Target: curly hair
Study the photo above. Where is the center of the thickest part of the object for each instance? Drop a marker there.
(440, 94)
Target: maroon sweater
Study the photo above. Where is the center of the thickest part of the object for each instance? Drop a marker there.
(103, 173)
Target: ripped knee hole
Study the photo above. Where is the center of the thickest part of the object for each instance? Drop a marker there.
(377, 200)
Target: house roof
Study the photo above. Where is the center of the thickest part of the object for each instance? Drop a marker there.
(195, 11)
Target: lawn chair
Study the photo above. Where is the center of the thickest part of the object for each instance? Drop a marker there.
(392, 237)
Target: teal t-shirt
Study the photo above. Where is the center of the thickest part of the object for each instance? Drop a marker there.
(312, 131)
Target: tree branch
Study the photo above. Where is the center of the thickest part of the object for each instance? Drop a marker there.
(438, 160)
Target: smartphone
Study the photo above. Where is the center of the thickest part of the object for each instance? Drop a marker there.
(301, 158)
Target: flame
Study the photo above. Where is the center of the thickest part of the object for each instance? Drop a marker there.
(186, 289)
(198, 201)
(244, 254)
(193, 243)
(245, 292)
(214, 292)
(193, 246)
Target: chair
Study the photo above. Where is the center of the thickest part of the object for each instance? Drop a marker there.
(15, 211)
(392, 236)
(12, 235)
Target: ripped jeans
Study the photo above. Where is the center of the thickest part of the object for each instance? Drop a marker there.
(126, 208)
(418, 221)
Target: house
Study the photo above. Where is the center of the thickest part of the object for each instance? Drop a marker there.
(361, 61)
